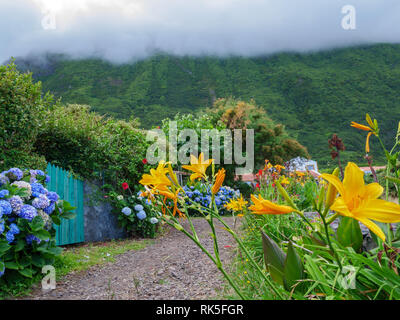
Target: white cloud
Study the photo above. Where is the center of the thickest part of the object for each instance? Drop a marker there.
(121, 30)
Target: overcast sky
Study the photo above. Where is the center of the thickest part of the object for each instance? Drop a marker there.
(122, 30)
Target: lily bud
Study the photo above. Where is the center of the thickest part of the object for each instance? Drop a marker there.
(331, 192)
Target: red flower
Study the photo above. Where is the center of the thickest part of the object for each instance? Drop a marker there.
(144, 161)
(258, 185)
(125, 186)
(260, 172)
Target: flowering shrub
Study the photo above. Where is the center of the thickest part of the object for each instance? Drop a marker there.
(136, 214)
(27, 214)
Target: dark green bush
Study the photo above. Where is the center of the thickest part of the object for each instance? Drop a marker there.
(21, 111)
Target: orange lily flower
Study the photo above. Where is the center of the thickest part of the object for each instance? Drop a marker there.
(218, 181)
(262, 206)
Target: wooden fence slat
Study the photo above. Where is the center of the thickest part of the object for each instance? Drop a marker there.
(71, 190)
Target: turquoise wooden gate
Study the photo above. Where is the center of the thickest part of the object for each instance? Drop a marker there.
(71, 190)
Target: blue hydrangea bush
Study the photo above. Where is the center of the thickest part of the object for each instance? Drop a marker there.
(136, 214)
(200, 192)
(28, 212)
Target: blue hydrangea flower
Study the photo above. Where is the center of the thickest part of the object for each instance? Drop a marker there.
(2, 227)
(28, 212)
(139, 207)
(4, 193)
(50, 209)
(16, 203)
(148, 202)
(14, 229)
(40, 173)
(3, 179)
(15, 174)
(37, 189)
(41, 202)
(30, 238)
(52, 196)
(153, 220)
(47, 179)
(10, 237)
(5, 205)
(141, 215)
(126, 211)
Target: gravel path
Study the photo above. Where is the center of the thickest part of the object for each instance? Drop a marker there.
(172, 268)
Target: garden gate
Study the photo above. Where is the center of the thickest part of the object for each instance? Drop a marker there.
(71, 190)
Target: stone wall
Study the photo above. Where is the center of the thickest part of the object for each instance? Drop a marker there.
(100, 223)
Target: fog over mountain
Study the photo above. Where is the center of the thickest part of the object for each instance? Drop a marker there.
(125, 30)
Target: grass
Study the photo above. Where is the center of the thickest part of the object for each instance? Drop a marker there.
(80, 258)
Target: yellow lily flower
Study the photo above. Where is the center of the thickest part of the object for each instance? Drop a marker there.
(236, 204)
(279, 167)
(218, 181)
(157, 178)
(284, 180)
(262, 206)
(360, 201)
(198, 166)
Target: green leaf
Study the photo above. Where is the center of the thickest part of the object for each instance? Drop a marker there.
(4, 246)
(38, 261)
(11, 265)
(27, 272)
(274, 258)
(37, 223)
(42, 234)
(349, 233)
(293, 268)
(68, 215)
(56, 219)
(19, 245)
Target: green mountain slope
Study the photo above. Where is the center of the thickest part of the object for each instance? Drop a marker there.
(314, 95)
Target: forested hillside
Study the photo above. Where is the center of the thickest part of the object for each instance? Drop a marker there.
(314, 95)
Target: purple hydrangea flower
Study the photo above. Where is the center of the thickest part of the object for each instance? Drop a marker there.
(52, 196)
(37, 189)
(41, 202)
(16, 203)
(15, 174)
(3, 179)
(4, 193)
(40, 173)
(5, 205)
(28, 212)
(50, 209)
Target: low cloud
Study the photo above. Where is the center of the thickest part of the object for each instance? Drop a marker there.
(126, 30)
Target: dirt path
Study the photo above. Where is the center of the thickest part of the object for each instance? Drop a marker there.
(172, 268)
